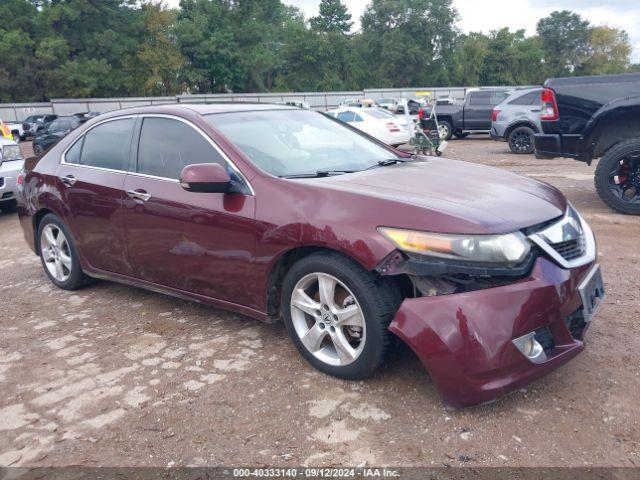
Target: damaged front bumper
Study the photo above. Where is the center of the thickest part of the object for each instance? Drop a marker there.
(466, 340)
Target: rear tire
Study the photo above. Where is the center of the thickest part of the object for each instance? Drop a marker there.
(58, 254)
(521, 140)
(617, 177)
(445, 129)
(319, 333)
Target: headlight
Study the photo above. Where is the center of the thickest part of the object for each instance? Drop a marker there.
(508, 249)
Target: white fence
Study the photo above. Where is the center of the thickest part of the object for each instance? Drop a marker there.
(11, 112)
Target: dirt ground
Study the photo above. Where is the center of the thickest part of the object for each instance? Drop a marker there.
(116, 376)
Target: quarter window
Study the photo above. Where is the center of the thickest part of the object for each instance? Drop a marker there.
(107, 145)
(73, 154)
(167, 146)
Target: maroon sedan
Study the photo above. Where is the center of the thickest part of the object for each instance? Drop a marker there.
(282, 213)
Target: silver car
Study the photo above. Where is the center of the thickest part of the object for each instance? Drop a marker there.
(11, 164)
(517, 118)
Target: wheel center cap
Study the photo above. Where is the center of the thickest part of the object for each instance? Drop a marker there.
(326, 318)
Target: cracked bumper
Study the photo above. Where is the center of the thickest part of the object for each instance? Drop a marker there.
(464, 340)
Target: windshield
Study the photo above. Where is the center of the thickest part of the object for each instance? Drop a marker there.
(291, 142)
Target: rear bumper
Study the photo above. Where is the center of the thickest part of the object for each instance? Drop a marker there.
(495, 135)
(465, 340)
(547, 145)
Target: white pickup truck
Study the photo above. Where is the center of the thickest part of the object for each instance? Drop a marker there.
(16, 131)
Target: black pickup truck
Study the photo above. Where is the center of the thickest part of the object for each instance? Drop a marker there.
(474, 115)
(592, 117)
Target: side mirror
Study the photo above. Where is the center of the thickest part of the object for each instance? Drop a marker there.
(205, 178)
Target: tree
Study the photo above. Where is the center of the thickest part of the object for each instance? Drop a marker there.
(565, 41)
(159, 60)
(610, 52)
(334, 16)
(408, 42)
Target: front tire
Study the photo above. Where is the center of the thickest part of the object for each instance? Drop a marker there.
(337, 314)
(617, 178)
(521, 140)
(445, 129)
(58, 254)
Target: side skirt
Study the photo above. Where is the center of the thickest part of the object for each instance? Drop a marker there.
(182, 294)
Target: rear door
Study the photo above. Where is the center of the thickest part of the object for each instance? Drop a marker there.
(202, 243)
(90, 177)
(478, 110)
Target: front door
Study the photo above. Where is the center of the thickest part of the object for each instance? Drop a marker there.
(201, 243)
(90, 179)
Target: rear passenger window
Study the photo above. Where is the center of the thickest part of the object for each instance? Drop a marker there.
(73, 154)
(346, 116)
(167, 146)
(480, 98)
(531, 98)
(107, 145)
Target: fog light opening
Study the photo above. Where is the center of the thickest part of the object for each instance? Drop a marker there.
(530, 347)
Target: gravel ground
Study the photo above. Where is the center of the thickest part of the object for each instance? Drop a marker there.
(113, 375)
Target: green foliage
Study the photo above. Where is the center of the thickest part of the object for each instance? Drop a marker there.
(565, 40)
(334, 16)
(101, 48)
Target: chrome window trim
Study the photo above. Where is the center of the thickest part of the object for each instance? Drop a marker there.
(590, 244)
(224, 156)
(166, 179)
(63, 157)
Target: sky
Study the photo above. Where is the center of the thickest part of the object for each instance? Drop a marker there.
(487, 15)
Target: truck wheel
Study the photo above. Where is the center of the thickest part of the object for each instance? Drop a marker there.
(445, 129)
(617, 177)
(16, 137)
(521, 140)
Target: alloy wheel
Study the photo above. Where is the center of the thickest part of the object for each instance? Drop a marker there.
(56, 252)
(520, 142)
(443, 130)
(624, 178)
(328, 319)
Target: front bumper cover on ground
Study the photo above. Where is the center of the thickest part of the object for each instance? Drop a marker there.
(465, 340)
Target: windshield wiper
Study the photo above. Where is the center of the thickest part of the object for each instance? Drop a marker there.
(318, 173)
(389, 161)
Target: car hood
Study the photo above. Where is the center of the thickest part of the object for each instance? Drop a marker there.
(461, 197)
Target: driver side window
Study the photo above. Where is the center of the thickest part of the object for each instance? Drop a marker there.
(167, 146)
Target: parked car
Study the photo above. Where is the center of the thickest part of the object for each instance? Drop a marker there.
(15, 130)
(517, 119)
(11, 164)
(596, 117)
(390, 104)
(56, 130)
(376, 122)
(473, 116)
(346, 239)
(32, 123)
(445, 100)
